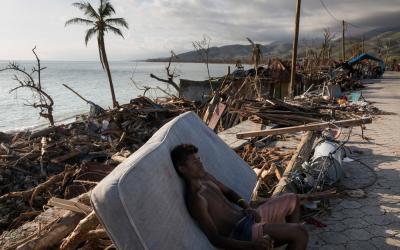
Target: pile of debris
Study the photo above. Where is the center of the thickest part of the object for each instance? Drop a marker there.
(268, 163)
(68, 160)
(53, 165)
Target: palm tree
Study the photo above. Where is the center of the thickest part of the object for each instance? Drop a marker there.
(101, 22)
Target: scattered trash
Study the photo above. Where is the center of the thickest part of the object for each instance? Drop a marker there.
(358, 193)
(347, 159)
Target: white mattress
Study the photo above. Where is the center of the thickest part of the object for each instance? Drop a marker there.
(141, 203)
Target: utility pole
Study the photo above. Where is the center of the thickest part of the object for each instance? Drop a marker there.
(343, 46)
(363, 44)
(294, 52)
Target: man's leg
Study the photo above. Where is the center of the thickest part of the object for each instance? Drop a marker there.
(281, 209)
(293, 234)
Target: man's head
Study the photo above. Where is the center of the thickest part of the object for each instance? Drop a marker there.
(187, 162)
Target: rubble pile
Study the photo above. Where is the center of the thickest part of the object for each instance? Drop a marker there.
(58, 166)
(280, 113)
(267, 162)
(68, 160)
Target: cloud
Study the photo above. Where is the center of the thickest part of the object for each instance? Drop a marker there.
(380, 19)
(157, 26)
(264, 21)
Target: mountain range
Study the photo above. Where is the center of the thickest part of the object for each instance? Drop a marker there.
(381, 43)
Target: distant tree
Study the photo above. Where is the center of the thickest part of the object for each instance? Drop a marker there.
(101, 22)
(202, 48)
(326, 45)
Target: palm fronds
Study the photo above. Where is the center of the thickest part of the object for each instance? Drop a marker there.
(106, 9)
(88, 9)
(117, 21)
(89, 34)
(114, 30)
(78, 20)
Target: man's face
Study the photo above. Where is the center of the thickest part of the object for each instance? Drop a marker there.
(193, 167)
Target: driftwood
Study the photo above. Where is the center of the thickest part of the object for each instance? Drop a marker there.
(96, 236)
(118, 158)
(42, 132)
(79, 234)
(70, 205)
(65, 157)
(96, 239)
(54, 233)
(33, 192)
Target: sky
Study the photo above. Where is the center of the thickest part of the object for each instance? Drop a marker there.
(158, 26)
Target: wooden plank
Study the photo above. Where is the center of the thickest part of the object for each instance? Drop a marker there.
(70, 205)
(260, 176)
(67, 156)
(307, 127)
(302, 154)
(118, 158)
(217, 113)
(229, 135)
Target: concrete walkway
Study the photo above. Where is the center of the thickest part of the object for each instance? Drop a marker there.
(372, 222)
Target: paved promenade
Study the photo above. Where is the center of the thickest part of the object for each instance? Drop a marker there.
(372, 222)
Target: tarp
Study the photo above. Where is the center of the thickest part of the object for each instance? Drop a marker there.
(366, 56)
(141, 203)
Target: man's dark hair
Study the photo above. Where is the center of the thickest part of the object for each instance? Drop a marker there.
(180, 153)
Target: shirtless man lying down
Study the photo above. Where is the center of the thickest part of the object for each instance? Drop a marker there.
(227, 219)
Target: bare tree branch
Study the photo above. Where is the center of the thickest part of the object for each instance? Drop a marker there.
(45, 102)
(170, 74)
(202, 48)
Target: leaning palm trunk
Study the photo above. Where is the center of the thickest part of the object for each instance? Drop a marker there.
(106, 67)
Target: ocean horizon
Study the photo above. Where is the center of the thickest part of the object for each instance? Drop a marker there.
(90, 81)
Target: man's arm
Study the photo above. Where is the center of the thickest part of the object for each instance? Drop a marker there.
(199, 209)
(231, 195)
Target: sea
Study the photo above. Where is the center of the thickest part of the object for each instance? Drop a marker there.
(89, 80)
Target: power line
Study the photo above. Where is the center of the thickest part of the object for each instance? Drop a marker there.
(337, 19)
(328, 11)
(357, 26)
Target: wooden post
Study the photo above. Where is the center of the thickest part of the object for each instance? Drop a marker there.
(294, 52)
(301, 155)
(343, 43)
